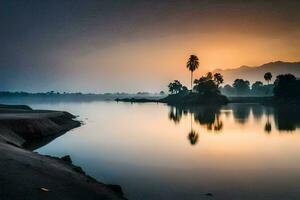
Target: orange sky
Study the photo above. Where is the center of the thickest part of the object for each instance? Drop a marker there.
(164, 59)
(104, 46)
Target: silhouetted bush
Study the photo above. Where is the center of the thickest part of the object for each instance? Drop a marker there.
(287, 88)
(242, 87)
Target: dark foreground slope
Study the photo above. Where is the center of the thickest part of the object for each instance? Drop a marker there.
(28, 175)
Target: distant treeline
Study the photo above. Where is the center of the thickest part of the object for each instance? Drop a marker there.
(242, 87)
(16, 97)
(285, 87)
(207, 89)
(53, 93)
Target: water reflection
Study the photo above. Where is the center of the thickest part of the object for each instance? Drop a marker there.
(127, 144)
(215, 118)
(208, 117)
(258, 111)
(241, 113)
(193, 137)
(175, 115)
(287, 119)
(217, 125)
(268, 126)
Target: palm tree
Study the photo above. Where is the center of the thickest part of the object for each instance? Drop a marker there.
(268, 77)
(192, 65)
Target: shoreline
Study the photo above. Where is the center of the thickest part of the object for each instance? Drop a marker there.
(250, 99)
(28, 175)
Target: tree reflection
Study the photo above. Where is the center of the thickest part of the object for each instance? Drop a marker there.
(257, 111)
(209, 117)
(175, 114)
(193, 137)
(268, 125)
(241, 113)
(287, 119)
(206, 116)
(218, 124)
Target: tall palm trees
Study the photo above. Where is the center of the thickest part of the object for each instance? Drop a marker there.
(268, 77)
(192, 65)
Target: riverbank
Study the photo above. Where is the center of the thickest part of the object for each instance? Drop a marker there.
(172, 101)
(28, 175)
(187, 99)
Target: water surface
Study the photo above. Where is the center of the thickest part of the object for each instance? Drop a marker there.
(239, 151)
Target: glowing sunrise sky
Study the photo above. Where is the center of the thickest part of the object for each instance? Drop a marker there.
(109, 46)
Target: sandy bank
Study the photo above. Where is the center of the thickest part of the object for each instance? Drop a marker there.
(28, 175)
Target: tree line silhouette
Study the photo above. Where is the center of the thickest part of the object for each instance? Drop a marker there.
(241, 87)
(286, 87)
(208, 88)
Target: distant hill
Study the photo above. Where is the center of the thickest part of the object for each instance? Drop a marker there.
(255, 73)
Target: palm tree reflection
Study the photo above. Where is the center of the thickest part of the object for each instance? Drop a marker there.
(193, 137)
(175, 114)
(218, 124)
(208, 117)
(268, 126)
(281, 118)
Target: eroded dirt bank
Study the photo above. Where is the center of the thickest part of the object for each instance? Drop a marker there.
(27, 175)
